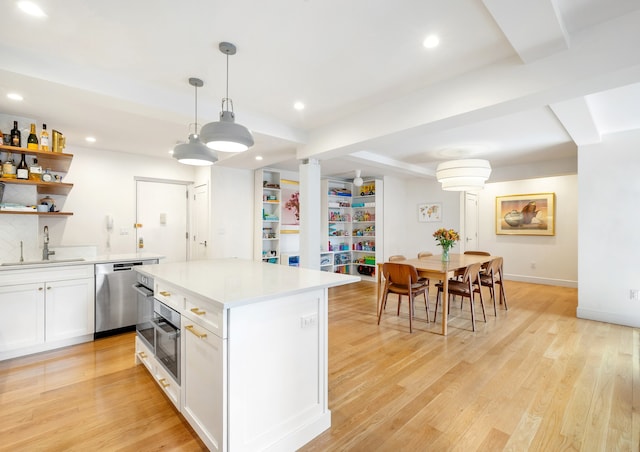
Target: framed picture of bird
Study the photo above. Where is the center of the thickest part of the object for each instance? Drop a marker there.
(532, 214)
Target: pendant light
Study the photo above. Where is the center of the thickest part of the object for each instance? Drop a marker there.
(225, 135)
(463, 175)
(195, 152)
(357, 181)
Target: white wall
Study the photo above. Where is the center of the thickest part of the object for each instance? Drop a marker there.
(232, 205)
(403, 233)
(103, 184)
(608, 261)
(555, 257)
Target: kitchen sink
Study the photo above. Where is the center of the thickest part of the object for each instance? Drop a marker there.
(51, 261)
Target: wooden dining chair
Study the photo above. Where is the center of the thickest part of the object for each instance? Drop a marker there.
(422, 254)
(397, 257)
(488, 279)
(459, 273)
(465, 288)
(402, 279)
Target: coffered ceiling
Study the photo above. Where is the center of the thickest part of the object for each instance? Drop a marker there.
(513, 81)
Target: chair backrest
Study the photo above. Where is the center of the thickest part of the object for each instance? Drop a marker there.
(471, 273)
(422, 254)
(478, 253)
(494, 266)
(399, 274)
(397, 257)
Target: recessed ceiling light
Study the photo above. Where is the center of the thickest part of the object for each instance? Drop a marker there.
(258, 157)
(431, 41)
(298, 106)
(14, 96)
(171, 151)
(90, 139)
(31, 8)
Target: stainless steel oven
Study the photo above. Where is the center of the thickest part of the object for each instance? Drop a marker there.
(144, 322)
(167, 327)
(158, 326)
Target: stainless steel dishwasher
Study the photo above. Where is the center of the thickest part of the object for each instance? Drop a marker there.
(116, 300)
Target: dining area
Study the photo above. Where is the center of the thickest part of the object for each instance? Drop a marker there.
(472, 277)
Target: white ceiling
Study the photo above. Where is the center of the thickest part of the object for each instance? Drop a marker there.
(514, 81)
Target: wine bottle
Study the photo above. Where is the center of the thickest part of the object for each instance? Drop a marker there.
(23, 170)
(16, 136)
(44, 138)
(32, 141)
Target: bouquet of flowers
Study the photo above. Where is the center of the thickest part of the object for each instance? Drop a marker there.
(446, 238)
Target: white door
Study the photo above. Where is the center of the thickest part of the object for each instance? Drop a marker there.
(200, 239)
(162, 219)
(470, 221)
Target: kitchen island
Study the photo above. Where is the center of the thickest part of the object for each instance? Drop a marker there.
(254, 350)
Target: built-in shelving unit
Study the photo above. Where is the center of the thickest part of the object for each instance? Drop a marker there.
(353, 224)
(56, 162)
(267, 233)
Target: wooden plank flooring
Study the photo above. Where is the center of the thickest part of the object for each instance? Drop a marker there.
(533, 378)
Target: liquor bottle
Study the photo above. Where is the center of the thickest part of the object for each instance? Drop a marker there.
(32, 141)
(35, 170)
(9, 168)
(16, 136)
(44, 138)
(23, 170)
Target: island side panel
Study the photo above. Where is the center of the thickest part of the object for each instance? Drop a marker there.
(278, 372)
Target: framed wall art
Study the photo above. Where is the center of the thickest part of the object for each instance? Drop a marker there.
(430, 212)
(532, 214)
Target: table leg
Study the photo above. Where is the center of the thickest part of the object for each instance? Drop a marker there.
(445, 303)
(379, 289)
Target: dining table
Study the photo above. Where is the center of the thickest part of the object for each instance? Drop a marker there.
(434, 268)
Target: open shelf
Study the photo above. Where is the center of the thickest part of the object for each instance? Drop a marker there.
(55, 161)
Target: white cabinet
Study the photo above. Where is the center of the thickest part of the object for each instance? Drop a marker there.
(69, 309)
(166, 382)
(21, 317)
(203, 384)
(267, 214)
(45, 309)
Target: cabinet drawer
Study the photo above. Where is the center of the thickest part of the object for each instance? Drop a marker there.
(168, 385)
(169, 295)
(54, 273)
(205, 314)
(145, 356)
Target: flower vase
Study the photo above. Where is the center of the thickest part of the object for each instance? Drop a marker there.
(445, 254)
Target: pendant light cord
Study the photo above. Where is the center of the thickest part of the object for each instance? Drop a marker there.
(196, 87)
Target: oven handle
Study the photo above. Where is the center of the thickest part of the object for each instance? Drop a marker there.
(142, 290)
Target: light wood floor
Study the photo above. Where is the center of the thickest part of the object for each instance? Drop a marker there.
(532, 378)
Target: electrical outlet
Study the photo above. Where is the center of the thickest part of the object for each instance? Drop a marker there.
(308, 321)
(533, 265)
(634, 294)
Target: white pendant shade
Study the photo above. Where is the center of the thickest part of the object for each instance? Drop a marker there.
(194, 152)
(463, 175)
(357, 181)
(225, 135)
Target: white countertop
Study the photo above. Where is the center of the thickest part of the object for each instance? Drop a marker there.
(235, 282)
(106, 258)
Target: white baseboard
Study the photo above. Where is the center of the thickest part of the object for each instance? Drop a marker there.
(538, 280)
(609, 317)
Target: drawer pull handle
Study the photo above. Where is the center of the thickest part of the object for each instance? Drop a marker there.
(163, 383)
(164, 293)
(40, 289)
(192, 330)
(142, 355)
(197, 311)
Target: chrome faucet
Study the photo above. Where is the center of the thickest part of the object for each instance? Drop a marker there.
(45, 250)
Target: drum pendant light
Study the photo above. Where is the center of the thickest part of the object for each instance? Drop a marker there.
(463, 175)
(195, 152)
(225, 135)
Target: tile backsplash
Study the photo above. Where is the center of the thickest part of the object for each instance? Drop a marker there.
(16, 228)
